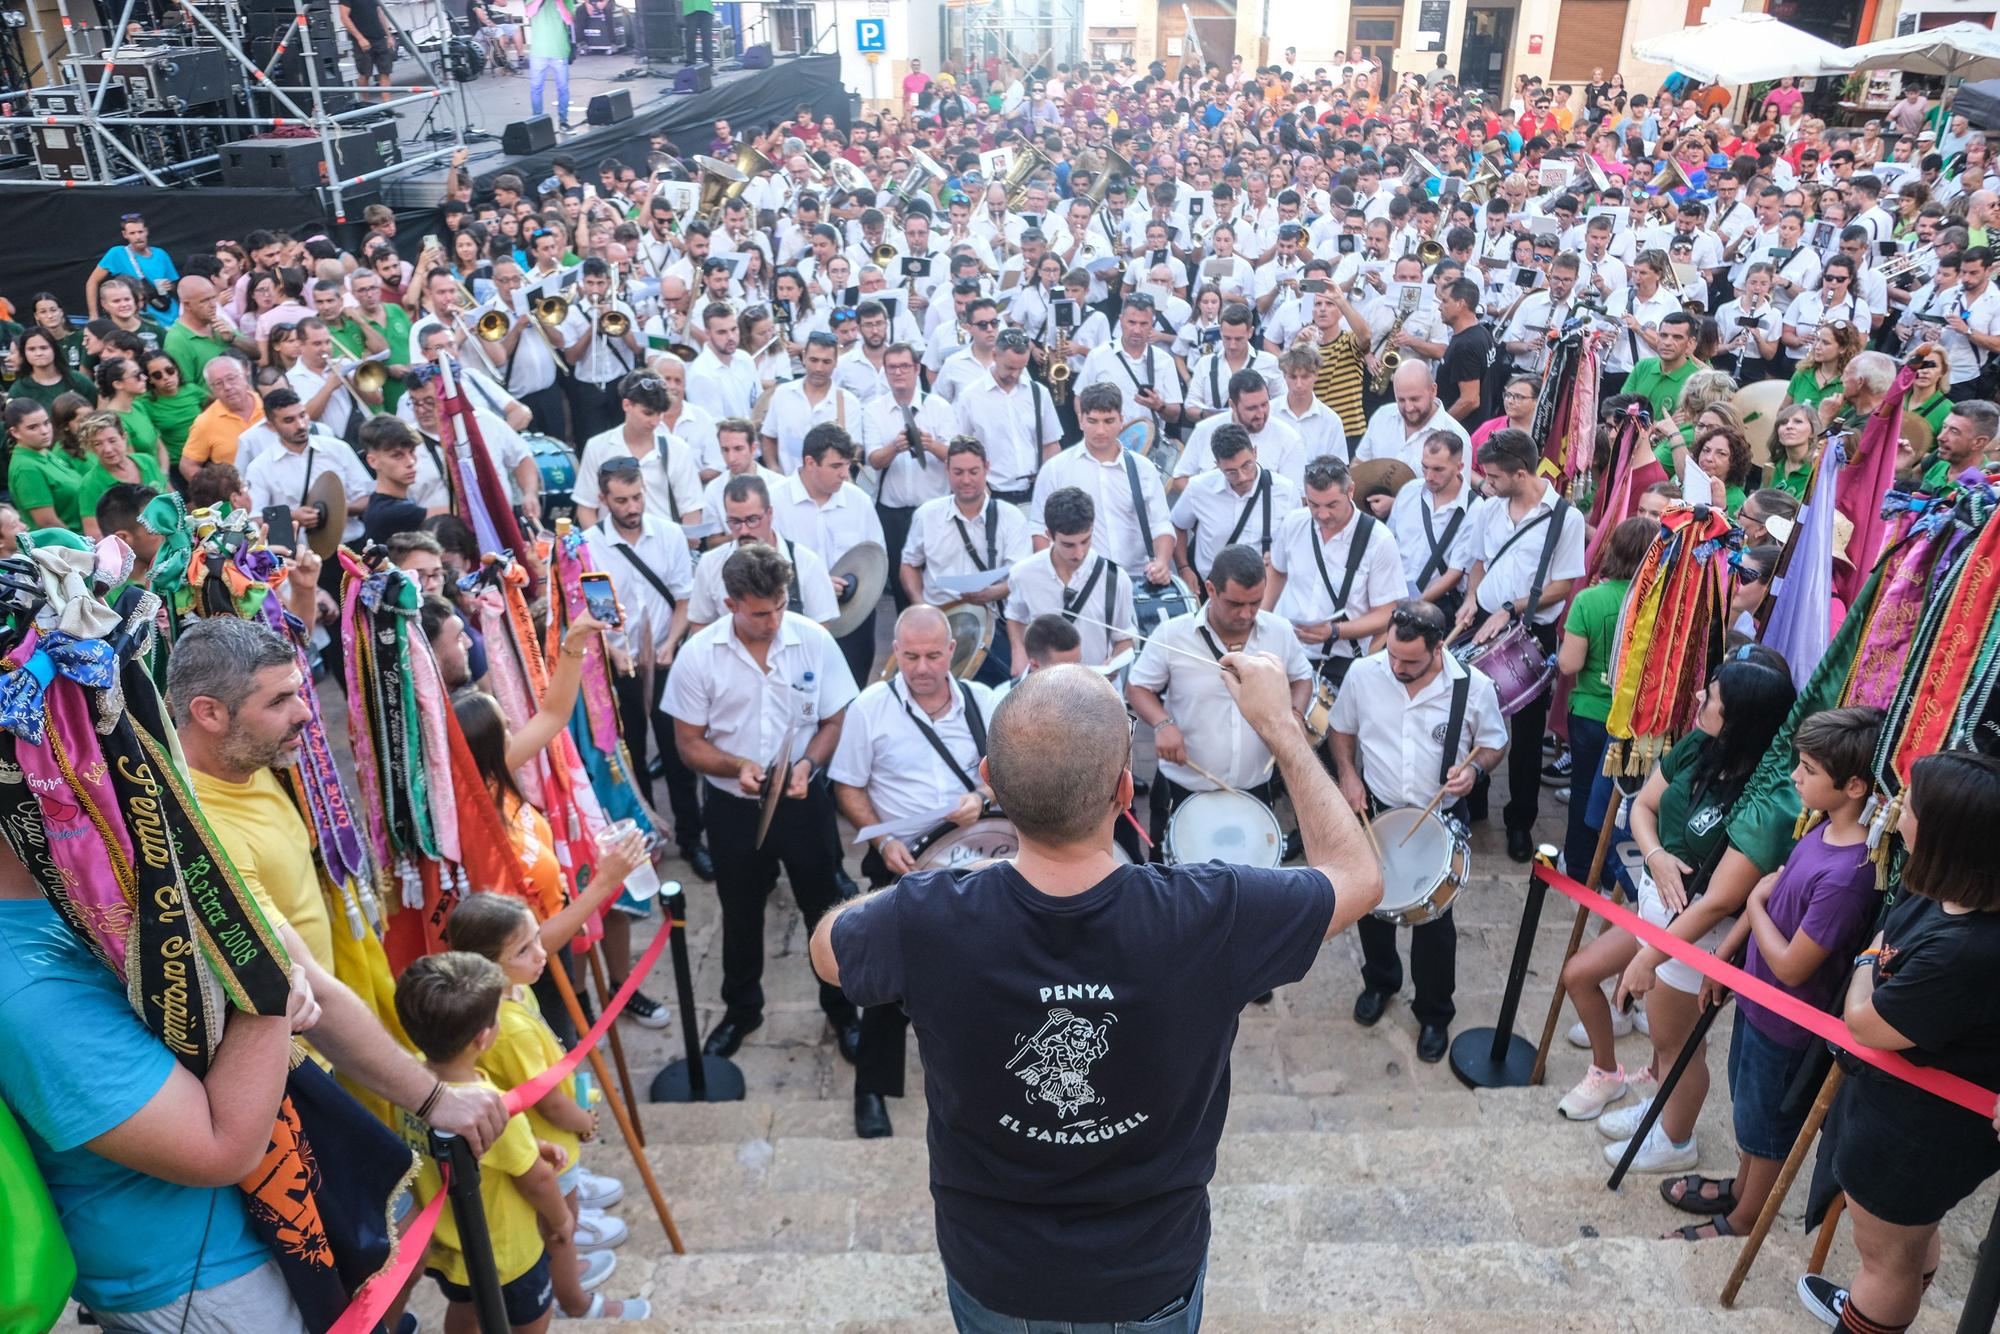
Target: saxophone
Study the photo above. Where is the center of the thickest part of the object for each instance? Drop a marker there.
(1390, 358)
(1059, 372)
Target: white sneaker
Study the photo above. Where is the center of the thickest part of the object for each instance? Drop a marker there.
(597, 1192)
(597, 1266)
(1642, 1083)
(1621, 1024)
(599, 1231)
(1657, 1154)
(1623, 1123)
(1640, 1021)
(1597, 1090)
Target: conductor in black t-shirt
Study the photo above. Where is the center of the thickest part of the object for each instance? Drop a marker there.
(1465, 376)
(1075, 1013)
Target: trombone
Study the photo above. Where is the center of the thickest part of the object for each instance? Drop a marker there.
(367, 377)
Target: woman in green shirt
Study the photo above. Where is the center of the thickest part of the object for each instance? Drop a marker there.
(1680, 821)
(113, 461)
(121, 389)
(1927, 397)
(1793, 441)
(171, 405)
(1822, 363)
(1724, 455)
(45, 376)
(40, 478)
(1588, 636)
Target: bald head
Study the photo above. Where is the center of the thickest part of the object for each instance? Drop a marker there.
(920, 619)
(197, 296)
(922, 650)
(1057, 749)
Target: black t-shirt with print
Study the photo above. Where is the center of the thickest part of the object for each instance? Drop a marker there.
(1934, 985)
(1076, 1061)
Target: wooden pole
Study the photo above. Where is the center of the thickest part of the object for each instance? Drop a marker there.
(1828, 1228)
(1776, 1200)
(625, 1123)
(1575, 935)
(597, 975)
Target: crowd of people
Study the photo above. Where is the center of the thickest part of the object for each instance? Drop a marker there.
(1233, 389)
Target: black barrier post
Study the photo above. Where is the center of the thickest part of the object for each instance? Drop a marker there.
(1982, 1300)
(1498, 1057)
(699, 1078)
(474, 1242)
(1696, 1037)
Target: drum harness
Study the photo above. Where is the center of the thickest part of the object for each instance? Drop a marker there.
(1072, 603)
(1261, 493)
(1553, 516)
(992, 534)
(973, 724)
(1357, 551)
(624, 549)
(1434, 566)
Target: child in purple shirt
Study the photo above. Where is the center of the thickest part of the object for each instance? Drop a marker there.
(1801, 926)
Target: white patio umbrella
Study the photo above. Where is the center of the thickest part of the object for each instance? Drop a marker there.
(1742, 48)
(1957, 51)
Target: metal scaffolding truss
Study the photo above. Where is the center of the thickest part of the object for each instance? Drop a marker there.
(1031, 31)
(264, 104)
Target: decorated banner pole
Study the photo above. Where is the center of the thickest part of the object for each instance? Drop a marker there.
(1498, 1057)
(1658, 1106)
(594, 956)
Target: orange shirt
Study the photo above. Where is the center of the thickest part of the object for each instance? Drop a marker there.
(212, 438)
(534, 843)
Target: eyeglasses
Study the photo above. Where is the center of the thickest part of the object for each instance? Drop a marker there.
(739, 522)
(983, 324)
(163, 373)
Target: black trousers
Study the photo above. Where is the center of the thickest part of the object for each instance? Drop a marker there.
(699, 33)
(801, 841)
(1433, 958)
(546, 407)
(643, 719)
(593, 408)
(1524, 750)
(857, 646)
(885, 1029)
(895, 534)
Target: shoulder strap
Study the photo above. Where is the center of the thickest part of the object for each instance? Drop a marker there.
(937, 743)
(1549, 540)
(659, 584)
(1435, 565)
(660, 438)
(1516, 536)
(1262, 496)
(1073, 602)
(1139, 500)
(973, 722)
(1357, 551)
(1454, 728)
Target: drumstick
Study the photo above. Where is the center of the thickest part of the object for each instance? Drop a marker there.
(1368, 828)
(1185, 653)
(1189, 763)
(1436, 797)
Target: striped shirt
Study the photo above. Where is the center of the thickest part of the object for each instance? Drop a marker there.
(1339, 382)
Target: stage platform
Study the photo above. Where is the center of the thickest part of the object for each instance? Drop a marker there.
(55, 232)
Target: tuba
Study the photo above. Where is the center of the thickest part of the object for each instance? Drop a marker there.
(1027, 160)
(1115, 165)
(717, 178)
(848, 177)
(923, 176)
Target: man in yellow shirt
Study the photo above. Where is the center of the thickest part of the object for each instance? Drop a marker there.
(234, 409)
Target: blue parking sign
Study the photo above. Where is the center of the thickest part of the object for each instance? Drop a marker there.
(871, 35)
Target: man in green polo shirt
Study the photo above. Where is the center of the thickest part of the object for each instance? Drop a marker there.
(1658, 379)
(1962, 442)
(390, 325)
(200, 334)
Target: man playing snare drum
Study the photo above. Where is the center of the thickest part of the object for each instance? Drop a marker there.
(1395, 714)
(910, 748)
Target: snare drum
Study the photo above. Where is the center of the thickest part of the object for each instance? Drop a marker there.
(1231, 827)
(989, 839)
(1155, 604)
(1319, 710)
(1420, 877)
(1515, 662)
(556, 462)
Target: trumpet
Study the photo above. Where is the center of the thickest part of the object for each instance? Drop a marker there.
(1905, 264)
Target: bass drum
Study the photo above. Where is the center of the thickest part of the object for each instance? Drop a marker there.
(556, 462)
(990, 838)
(1153, 604)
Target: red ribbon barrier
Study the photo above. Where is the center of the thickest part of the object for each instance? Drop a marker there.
(375, 1296)
(1941, 1083)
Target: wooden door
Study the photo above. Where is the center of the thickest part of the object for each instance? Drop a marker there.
(1374, 34)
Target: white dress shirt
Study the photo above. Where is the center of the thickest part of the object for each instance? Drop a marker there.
(860, 376)
(1208, 379)
(1511, 577)
(504, 446)
(1014, 424)
(723, 390)
(1388, 438)
(1036, 589)
(1210, 511)
(1416, 539)
(748, 711)
(669, 471)
(605, 360)
(1628, 347)
(340, 405)
(1308, 601)
(791, 414)
(1810, 309)
(1278, 447)
(957, 371)
(711, 495)
(1153, 369)
(811, 583)
(1119, 531)
(281, 476)
(1320, 430)
(908, 482)
(883, 752)
(845, 521)
(1218, 739)
(940, 531)
(696, 427)
(1401, 737)
(661, 548)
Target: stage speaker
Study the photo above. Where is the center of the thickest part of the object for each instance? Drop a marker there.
(695, 79)
(659, 36)
(609, 108)
(756, 57)
(537, 135)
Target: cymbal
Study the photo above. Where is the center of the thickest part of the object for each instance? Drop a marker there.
(869, 564)
(330, 495)
(1371, 474)
(775, 778)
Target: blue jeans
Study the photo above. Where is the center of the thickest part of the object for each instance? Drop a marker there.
(539, 69)
(1587, 744)
(1182, 1316)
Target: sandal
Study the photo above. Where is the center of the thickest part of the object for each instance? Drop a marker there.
(1691, 1200)
(1692, 1232)
(631, 1308)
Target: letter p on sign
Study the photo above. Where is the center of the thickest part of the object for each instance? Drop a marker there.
(871, 35)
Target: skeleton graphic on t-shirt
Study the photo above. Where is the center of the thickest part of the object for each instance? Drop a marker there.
(1055, 1063)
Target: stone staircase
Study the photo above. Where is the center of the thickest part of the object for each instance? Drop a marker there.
(1356, 1189)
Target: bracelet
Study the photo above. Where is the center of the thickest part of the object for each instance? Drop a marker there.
(1647, 860)
(567, 654)
(437, 1091)
(1869, 957)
